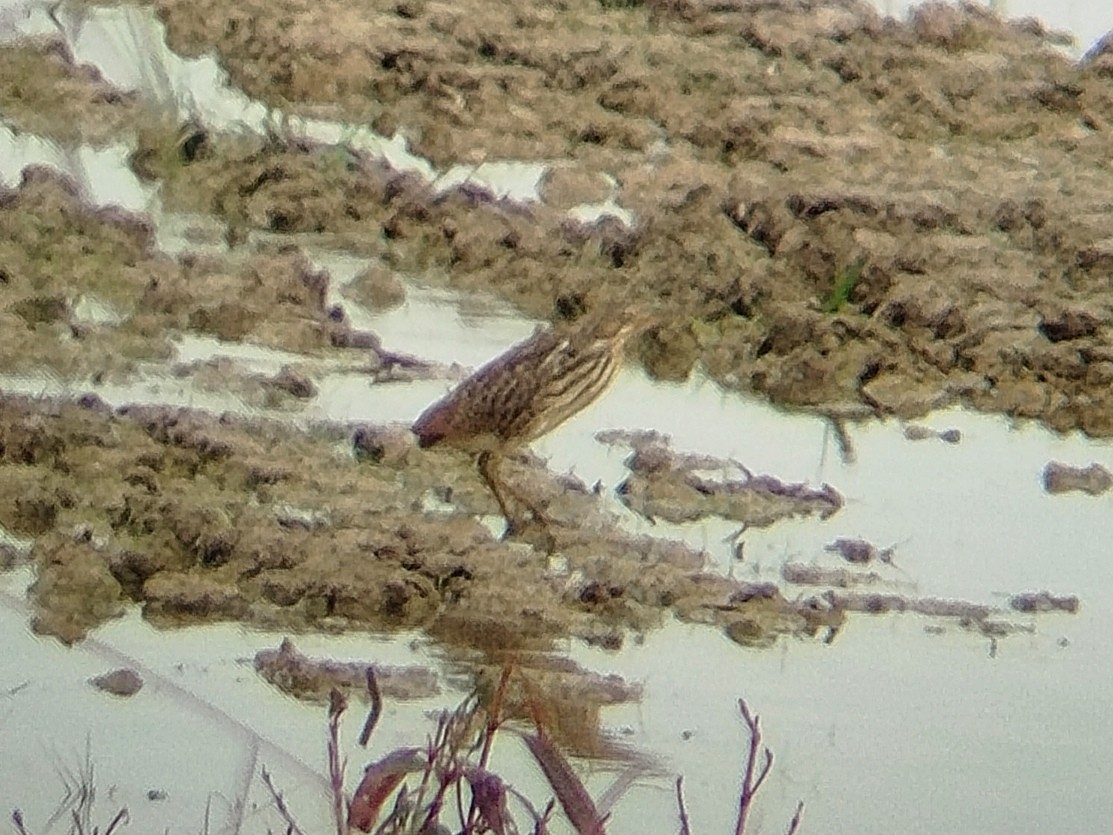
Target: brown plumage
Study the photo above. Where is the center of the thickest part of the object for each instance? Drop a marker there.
(529, 391)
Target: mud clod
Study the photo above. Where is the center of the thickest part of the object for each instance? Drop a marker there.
(313, 679)
(74, 589)
(672, 486)
(1094, 479)
(123, 682)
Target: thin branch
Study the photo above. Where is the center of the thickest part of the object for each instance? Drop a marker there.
(539, 818)
(376, 709)
(17, 821)
(337, 705)
(541, 826)
(280, 805)
(606, 801)
(447, 780)
(685, 828)
(121, 817)
(432, 754)
(494, 715)
(748, 788)
(494, 718)
(795, 823)
(765, 766)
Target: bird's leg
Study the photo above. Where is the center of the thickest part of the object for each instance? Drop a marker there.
(488, 468)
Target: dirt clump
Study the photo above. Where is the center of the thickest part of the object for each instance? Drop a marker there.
(72, 253)
(44, 92)
(199, 518)
(1093, 479)
(847, 210)
(122, 682)
(311, 679)
(682, 488)
(74, 589)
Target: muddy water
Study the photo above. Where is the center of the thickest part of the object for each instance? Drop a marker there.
(895, 727)
(900, 723)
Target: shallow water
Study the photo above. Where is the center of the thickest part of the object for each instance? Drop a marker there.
(890, 727)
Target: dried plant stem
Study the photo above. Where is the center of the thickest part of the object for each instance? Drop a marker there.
(436, 804)
(685, 828)
(540, 819)
(376, 709)
(121, 817)
(280, 804)
(794, 824)
(432, 750)
(17, 822)
(494, 715)
(494, 718)
(750, 783)
(336, 766)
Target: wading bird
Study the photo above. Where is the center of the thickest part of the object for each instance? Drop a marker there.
(527, 392)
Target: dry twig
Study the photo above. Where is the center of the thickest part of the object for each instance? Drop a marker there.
(280, 804)
(336, 766)
(376, 709)
(685, 828)
(17, 822)
(750, 783)
(794, 824)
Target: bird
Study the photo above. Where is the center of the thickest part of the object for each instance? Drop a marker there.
(527, 392)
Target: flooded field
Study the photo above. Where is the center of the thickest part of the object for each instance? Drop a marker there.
(854, 471)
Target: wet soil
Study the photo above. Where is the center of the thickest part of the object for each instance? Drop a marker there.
(311, 679)
(680, 487)
(59, 259)
(43, 93)
(839, 208)
(200, 518)
(840, 212)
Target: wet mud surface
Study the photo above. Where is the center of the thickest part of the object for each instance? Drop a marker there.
(840, 208)
(43, 93)
(313, 679)
(681, 487)
(841, 212)
(200, 518)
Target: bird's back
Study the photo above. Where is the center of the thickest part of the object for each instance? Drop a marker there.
(529, 390)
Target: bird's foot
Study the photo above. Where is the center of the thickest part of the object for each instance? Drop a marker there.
(532, 530)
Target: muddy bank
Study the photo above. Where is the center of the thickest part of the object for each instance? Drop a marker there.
(840, 208)
(84, 293)
(200, 518)
(43, 93)
(849, 214)
(847, 210)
